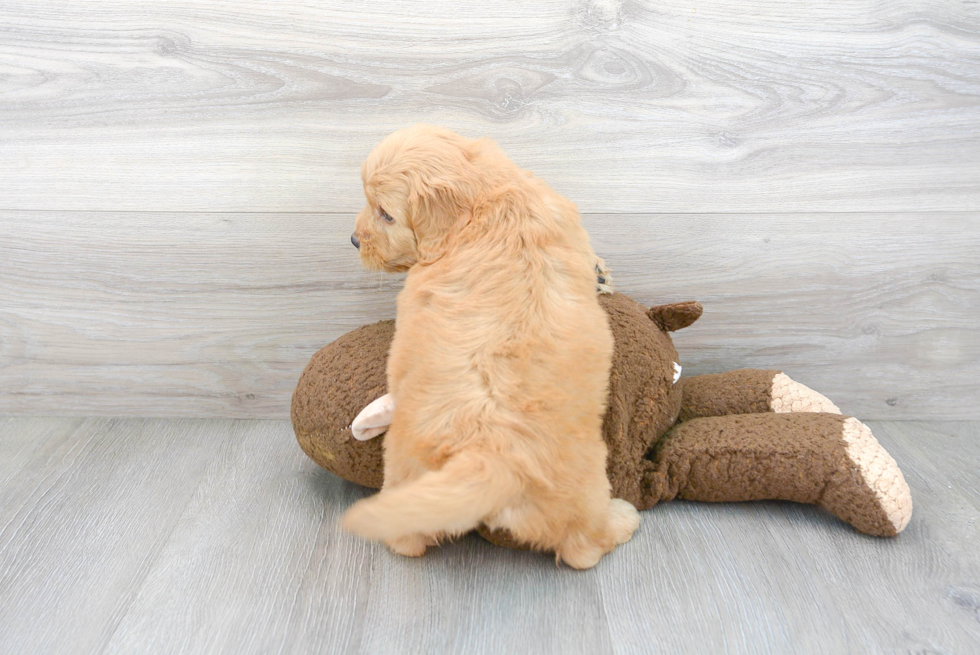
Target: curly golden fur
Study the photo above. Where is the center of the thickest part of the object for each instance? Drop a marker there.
(500, 360)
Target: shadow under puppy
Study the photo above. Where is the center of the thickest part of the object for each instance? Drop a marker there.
(499, 366)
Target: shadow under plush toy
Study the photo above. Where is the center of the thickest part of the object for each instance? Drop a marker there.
(735, 436)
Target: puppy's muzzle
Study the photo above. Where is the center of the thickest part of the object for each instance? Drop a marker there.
(355, 241)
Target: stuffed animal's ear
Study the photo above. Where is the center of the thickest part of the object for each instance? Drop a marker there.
(676, 316)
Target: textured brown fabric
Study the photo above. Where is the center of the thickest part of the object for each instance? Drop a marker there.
(745, 391)
(728, 447)
(502, 538)
(677, 316)
(339, 381)
(750, 457)
(643, 399)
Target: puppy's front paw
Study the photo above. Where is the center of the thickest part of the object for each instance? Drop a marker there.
(579, 553)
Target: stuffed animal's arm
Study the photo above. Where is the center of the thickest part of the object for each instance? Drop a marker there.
(749, 391)
(374, 419)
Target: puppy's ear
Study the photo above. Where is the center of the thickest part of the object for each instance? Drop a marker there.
(441, 196)
(434, 217)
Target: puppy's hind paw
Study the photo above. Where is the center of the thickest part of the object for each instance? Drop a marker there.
(412, 545)
(623, 520)
(580, 556)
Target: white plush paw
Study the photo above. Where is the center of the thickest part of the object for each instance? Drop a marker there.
(374, 419)
(789, 396)
(880, 473)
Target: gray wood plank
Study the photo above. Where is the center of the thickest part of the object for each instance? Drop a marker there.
(255, 563)
(472, 597)
(217, 314)
(199, 315)
(21, 441)
(877, 311)
(82, 520)
(658, 107)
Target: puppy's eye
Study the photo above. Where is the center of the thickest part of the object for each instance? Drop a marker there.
(385, 216)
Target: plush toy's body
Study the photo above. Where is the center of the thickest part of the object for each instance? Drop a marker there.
(741, 435)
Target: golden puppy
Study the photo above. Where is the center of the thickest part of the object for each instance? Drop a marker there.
(500, 361)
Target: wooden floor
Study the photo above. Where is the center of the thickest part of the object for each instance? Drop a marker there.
(140, 535)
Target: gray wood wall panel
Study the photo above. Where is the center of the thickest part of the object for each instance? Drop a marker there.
(216, 314)
(661, 106)
(177, 182)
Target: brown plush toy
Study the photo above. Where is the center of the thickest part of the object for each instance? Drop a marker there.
(740, 435)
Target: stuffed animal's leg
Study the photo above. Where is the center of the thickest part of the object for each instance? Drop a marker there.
(827, 459)
(749, 391)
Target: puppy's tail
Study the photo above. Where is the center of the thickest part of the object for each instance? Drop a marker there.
(452, 500)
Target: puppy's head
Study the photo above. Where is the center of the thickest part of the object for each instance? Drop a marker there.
(419, 183)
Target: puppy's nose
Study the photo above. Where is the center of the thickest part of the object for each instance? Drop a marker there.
(355, 240)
